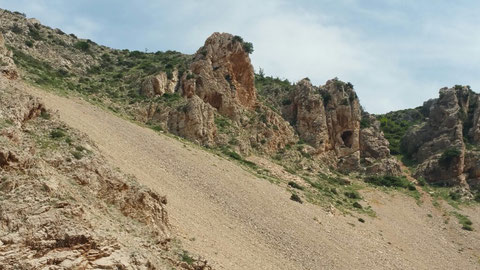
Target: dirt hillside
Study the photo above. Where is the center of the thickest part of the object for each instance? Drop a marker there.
(241, 222)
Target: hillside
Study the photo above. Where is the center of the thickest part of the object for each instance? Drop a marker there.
(258, 172)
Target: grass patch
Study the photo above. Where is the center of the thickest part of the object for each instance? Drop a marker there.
(464, 221)
(57, 133)
(390, 181)
(185, 257)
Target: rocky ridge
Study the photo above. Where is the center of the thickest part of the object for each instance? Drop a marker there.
(209, 98)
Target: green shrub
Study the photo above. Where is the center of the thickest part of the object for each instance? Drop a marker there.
(57, 133)
(45, 115)
(77, 155)
(421, 181)
(248, 47)
(326, 97)
(233, 155)
(390, 181)
(16, 29)
(185, 257)
(82, 45)
(29, 43)
(295, 185)
(353, 194)
(365, 123)
(455, 195)
(34, 33)
(296, 198)
(357, 205)
(464, 221)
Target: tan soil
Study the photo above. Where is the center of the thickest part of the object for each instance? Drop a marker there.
(238, 221)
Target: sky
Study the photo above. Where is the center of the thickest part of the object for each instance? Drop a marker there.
(397, 53)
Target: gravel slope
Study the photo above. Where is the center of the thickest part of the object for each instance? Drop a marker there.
(238, 221)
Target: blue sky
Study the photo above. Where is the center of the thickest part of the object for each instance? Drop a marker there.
(397, 53)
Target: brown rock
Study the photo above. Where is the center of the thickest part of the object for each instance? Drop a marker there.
(428, 142)
(328, 119)
(194, 121)
(221, 75)
(160, 84)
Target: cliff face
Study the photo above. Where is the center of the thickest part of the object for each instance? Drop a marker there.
(446, 145)
(328, 119)
(221, 74)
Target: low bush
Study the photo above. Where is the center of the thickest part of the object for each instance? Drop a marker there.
(295, 185)
(57, 133)
(82, 45)
(296, 198)
(77, 155)
(357, 205)
(390, 181)
(353, 194)
(464, 221)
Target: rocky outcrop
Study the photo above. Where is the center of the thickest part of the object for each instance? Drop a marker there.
(159, 84)
(374, 150)
(194, 121)
(7, 65)
(328, 119)
(221, 75)
(474, 132)
(438, 145)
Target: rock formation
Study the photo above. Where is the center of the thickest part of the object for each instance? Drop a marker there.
(328, 119)
(194, 121)
(221, 74)
(159, 84)
(439, 144)
(7, 66)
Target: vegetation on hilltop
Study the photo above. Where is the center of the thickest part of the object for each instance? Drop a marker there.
(396, 124)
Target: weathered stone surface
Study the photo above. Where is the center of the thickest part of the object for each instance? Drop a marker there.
(159, 84)
(7, 65)
(328, 119)
(474, 132)
(444, 130)
(309, 117)
(194, 121)
(221, 74)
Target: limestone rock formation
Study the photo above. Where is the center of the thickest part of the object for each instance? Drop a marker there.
(221, 74)
(194, 121)
(328, 119)
(7, 66)
(159, 84)
(374, 149)
(438, 145)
